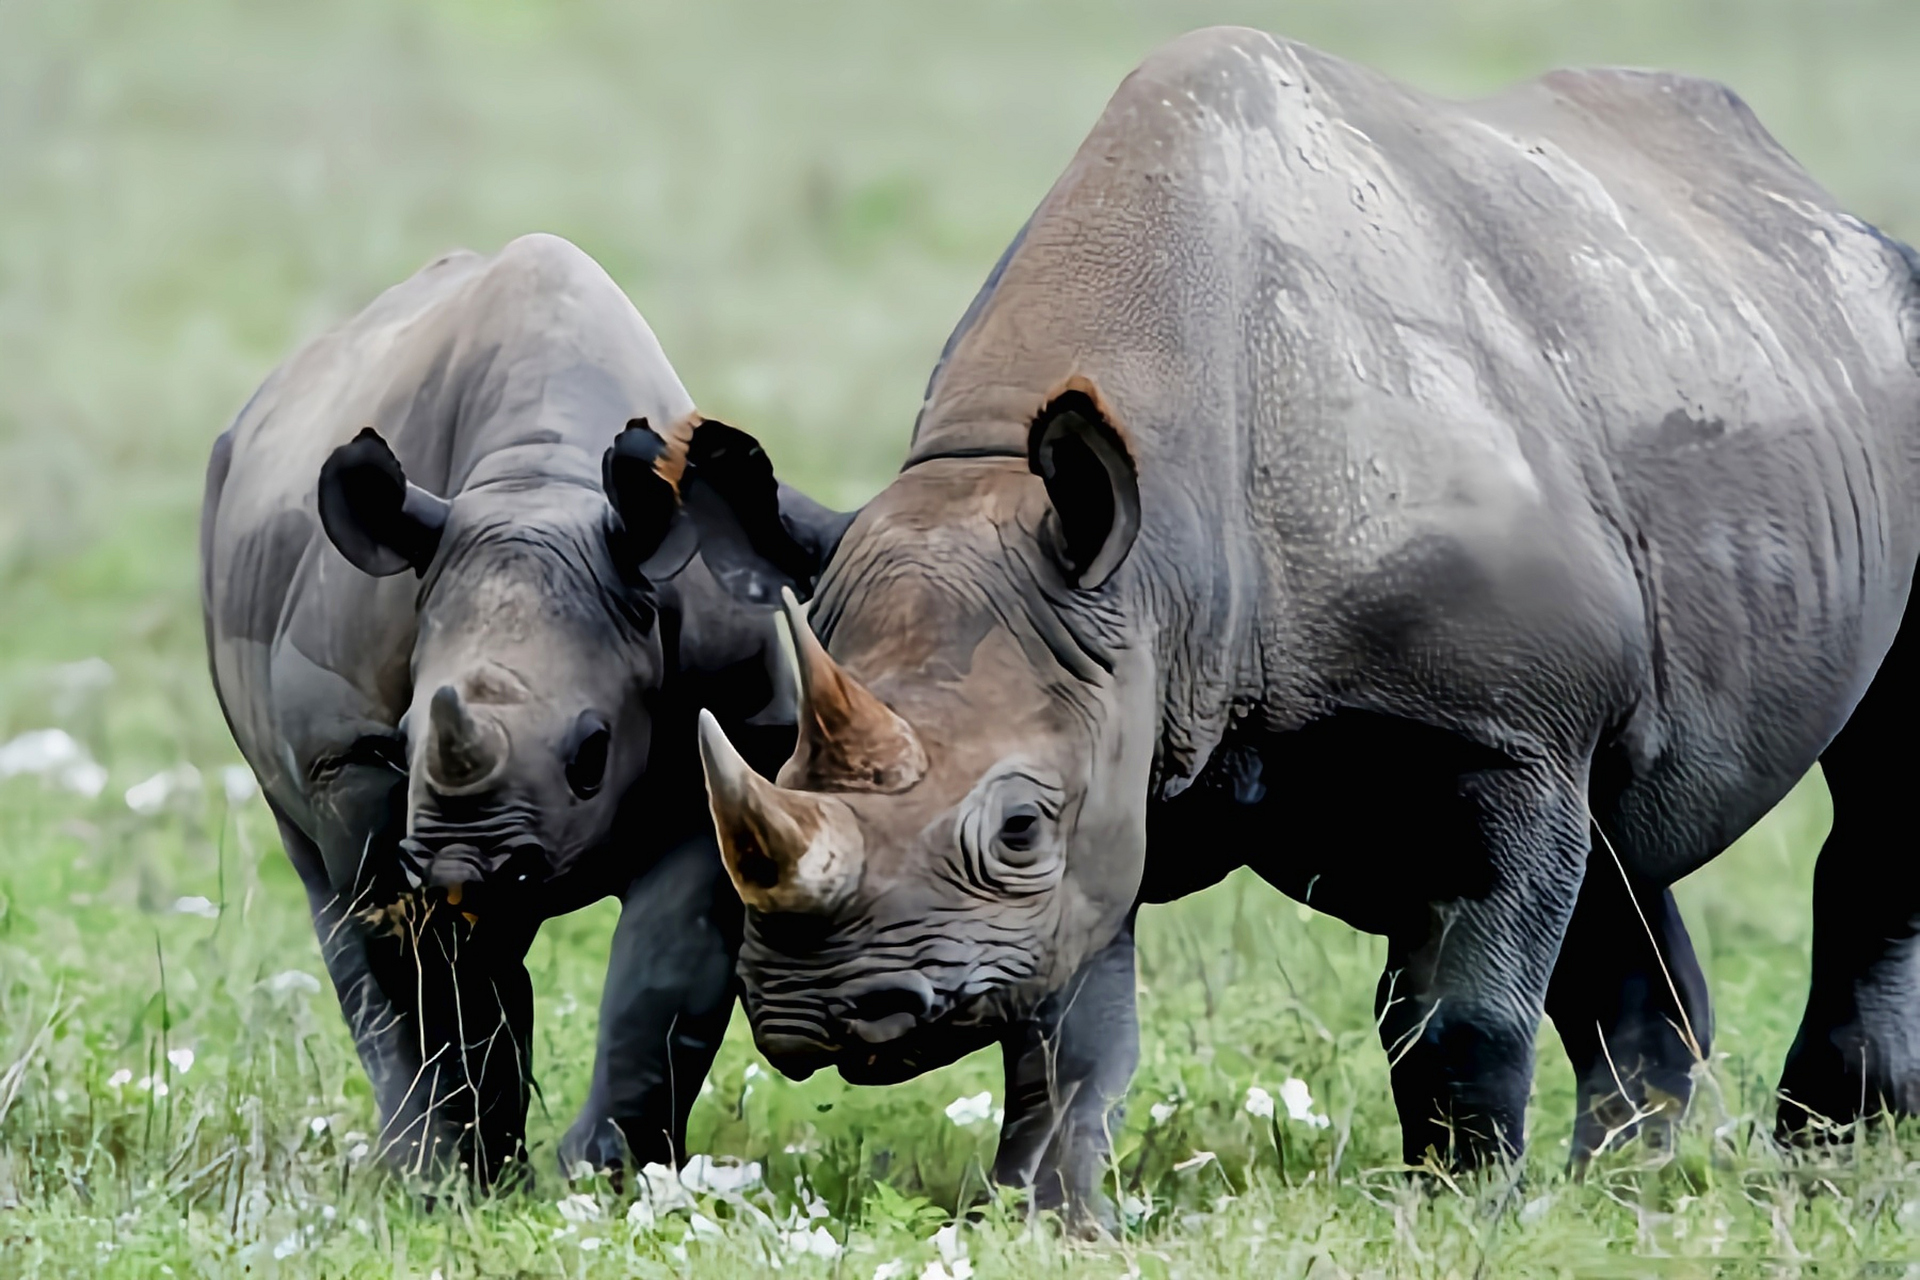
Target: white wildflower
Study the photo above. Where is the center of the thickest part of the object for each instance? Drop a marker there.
(1197, 1160)
(891, 1270)
(1299, 1103)
(953, 1253)
(318, 1125)
(237, 781)
(703, 1174)
(1259, 1103)
(970, 1111)
(1163, 1111)
(39, 751)
(947, 1241)
(287, 1247)
(590, 1243)
(53, 756)
(818, 1242)
(662, 1189)
(196, 906)
(151, 796)
(119, 1078)
(182, 1060)
(579, 1208)
(84, 778)
(291, 980)
(159, 1087)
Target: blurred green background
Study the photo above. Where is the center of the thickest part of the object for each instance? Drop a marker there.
(801, 198)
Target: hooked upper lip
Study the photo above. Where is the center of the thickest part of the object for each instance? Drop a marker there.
(884, 1007)
(470, 876)
(878, 1029)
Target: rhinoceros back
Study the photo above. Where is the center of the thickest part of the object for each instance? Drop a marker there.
(1598, 330)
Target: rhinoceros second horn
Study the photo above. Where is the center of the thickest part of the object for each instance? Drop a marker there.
(849, 739)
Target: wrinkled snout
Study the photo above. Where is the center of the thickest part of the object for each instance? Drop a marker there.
(884, 1007)
(474, 881)
(882, 1032)
(831, 1006)
(456, 871)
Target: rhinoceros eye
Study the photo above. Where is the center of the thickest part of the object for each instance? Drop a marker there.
(587, 767)
(1019, 832)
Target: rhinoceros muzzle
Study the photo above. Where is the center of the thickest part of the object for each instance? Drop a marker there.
(883, 1008)
(876, 1029)
(472, 879)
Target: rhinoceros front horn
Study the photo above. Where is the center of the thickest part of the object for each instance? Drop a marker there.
(784, 850)
(849, 740)
(463, 755)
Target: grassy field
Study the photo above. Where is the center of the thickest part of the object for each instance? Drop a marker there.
(801, 198)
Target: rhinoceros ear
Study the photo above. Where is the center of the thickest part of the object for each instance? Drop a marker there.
(756, 534)
(654, 537)
(1091, 482)
(378, 520)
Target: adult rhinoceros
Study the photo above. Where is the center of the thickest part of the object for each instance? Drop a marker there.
(1460, 513)
(460, 631)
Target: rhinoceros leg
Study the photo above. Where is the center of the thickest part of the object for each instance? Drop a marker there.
(1631, 1006)
(669, 995)
(1466, 979)
(1067, 1073)
(451, 1087)
(1857, 1054)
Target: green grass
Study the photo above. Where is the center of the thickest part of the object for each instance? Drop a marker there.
(801, 198)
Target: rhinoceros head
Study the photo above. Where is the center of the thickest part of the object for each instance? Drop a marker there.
(539, 660)
(962, 822)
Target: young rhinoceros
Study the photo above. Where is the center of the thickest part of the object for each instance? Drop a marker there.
(463, 648)
(1470, 516)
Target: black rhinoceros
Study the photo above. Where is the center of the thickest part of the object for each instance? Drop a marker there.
(1471, 516)
(460, 623)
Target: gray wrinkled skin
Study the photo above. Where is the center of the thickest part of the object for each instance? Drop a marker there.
(499, 382)
(1507, 470)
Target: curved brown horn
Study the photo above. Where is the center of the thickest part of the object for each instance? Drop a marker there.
(849, 740)
(462, 755)
(784, 850)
